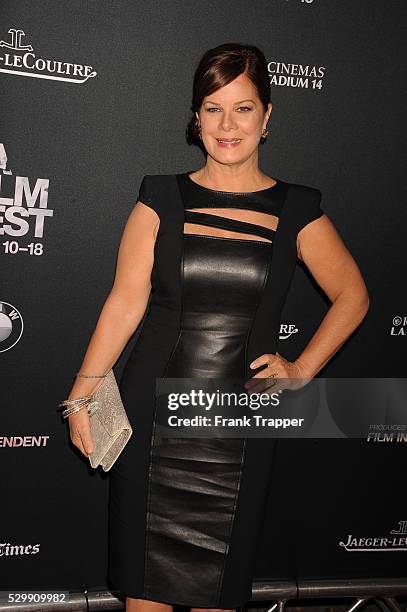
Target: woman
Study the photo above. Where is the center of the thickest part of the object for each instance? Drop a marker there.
(218, 248)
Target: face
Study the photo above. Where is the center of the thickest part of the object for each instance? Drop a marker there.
(233, 113)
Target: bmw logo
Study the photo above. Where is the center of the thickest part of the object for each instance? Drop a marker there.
(11, 326)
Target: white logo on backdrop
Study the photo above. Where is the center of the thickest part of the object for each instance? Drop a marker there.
(11, 326)
(398, 541)
(20, 59)
(287, 330)
(301, 76)
(14, 550)
(28, 441)
(23, 210)
(399, 327)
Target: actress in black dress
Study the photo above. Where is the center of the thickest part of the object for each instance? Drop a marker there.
(217, 249)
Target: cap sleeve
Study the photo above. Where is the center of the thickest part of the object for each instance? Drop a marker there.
(312, 209)
(147, 195)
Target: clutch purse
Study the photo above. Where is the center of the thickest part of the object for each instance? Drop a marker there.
(109, 425)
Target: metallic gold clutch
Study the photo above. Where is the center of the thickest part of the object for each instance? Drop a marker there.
(109, 425)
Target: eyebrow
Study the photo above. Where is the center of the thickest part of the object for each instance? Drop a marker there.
(239, 102)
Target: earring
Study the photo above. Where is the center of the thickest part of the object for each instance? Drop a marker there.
(265, 133)
(200, 134)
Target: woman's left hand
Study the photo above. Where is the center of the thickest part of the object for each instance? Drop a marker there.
(291, 372)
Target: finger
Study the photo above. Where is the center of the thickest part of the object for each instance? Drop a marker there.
(263, 359)
(82, 439)
(80, 447)
(270, 388)
(252, 385)
(79, 425)
(87, 441)
(256, 380)
(266, 373)
(257, 384)
(77, 441)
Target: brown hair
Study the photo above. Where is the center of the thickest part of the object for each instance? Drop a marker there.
(220, 66)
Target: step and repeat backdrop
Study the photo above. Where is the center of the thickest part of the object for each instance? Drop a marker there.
(96, 94)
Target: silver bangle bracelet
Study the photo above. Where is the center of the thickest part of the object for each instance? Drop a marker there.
(74, 402)
(68, 411)
(74, 405)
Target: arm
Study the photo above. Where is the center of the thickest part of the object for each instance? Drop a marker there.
(322, 250)
(121, 313)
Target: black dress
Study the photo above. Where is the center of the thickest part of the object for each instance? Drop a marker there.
(185, 514)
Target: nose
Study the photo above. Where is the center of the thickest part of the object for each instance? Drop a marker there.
(227, 121)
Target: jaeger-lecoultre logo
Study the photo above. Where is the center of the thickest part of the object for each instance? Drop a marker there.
(20, 60)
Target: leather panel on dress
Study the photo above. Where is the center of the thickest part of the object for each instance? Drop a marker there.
(194, 482)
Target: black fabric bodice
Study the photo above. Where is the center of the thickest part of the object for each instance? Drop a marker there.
(223, 280)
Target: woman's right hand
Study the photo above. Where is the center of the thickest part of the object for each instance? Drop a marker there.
(79, 428)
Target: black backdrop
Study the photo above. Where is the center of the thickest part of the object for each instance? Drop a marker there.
(85, 142)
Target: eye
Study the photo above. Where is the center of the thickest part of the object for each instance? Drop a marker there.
(215, 108)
